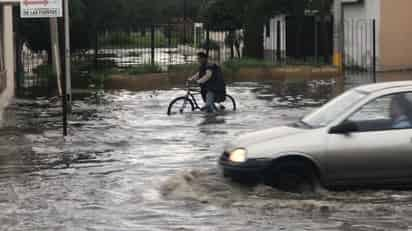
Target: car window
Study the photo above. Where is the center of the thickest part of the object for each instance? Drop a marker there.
(388, 112)
(375, 110)
(330, 111)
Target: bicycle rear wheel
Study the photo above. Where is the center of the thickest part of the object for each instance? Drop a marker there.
(228, 105)
(180, 105)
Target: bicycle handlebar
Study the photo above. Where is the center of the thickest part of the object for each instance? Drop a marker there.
(192, 86)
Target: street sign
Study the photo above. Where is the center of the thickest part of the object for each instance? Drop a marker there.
(41, 8)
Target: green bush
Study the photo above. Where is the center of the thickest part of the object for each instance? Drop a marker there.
(143, 69)
(85, 74)
(97, 79)
(235, 64)
(45, 72)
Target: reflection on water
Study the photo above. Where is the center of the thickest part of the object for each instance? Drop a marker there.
(129, 166)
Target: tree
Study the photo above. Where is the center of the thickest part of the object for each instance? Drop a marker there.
(223, 15)
(252, 15)
(249, 15)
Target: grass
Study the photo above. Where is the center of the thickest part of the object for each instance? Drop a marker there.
(235, 64)
(230, 66)
(97, 79)
(84, 70)
(142, 69)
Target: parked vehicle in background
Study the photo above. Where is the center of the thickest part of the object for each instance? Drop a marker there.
(361, 138)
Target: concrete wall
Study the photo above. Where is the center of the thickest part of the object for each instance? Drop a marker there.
(358, 42)
(396, 34)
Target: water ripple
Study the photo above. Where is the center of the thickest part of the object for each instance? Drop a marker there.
(128, 166)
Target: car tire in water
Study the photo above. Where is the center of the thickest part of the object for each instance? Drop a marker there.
(180, 105)
(292, 176)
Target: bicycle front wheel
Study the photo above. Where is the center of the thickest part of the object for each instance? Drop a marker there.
(228, 105)
(180, 105)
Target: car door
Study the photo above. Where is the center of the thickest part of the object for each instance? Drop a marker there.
(377, 153)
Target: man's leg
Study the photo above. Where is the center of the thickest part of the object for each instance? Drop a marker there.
(203, 92)
(210, 100)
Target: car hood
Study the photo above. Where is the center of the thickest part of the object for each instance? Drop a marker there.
(270, 142)
(248, 139)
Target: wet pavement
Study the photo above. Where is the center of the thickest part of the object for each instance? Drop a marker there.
(129, 166)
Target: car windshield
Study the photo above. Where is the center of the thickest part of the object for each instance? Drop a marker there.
(334, 108)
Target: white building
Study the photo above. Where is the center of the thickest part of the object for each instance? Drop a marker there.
(272, 35)
(393, 32)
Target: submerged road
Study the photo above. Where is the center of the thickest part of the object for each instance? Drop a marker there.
(129, 166)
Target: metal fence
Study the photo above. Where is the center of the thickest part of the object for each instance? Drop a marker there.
(360, 50)
(306, 40)
(159, 45)
(150, 48)
(155, 48)
(34, 75)
(166, 45)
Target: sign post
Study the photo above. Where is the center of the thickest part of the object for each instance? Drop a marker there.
(41, 8)
(53, 9)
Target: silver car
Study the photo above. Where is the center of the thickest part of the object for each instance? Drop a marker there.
(362, 137)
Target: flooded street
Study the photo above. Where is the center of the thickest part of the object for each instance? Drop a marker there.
(129, 166)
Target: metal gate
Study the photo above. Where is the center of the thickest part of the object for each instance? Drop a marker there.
(359, 45)
(35, 76)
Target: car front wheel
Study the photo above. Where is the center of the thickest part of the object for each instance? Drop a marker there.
(292, 176)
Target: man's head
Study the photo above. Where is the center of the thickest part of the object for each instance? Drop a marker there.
(399, 106)
(202, 58)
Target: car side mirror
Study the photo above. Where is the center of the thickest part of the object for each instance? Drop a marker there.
(344, 128)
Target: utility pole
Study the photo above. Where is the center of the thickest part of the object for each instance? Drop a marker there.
(338, 34)
(66, 83)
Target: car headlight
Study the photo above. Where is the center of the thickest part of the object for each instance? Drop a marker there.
(238, 155)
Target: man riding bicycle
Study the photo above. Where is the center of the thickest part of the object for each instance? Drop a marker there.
(212, 84)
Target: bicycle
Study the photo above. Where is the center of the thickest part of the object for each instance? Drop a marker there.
(188, 102)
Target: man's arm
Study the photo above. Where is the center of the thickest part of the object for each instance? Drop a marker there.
(194, 77)
(205, 78)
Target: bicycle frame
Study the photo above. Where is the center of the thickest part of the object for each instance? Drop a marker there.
(190, 95)
(190, 98)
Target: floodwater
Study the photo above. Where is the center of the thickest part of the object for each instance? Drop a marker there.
(128, 166)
